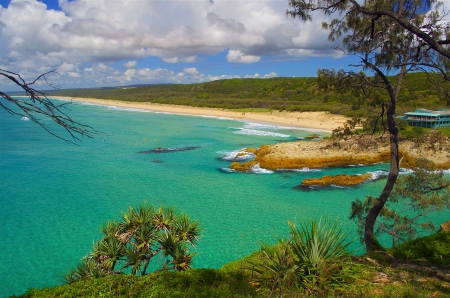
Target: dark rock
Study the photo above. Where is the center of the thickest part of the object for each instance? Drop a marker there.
(167, 150)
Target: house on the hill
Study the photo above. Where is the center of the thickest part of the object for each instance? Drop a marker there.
(427, 118)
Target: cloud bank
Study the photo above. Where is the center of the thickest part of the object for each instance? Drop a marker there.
(104, 42)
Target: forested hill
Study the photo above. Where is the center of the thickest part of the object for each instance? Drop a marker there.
(291, 94)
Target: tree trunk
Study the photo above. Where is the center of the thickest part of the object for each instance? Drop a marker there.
(392, 177)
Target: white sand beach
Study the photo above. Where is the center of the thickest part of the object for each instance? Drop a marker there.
(315, 120)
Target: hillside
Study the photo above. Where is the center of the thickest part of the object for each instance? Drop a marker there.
(290, 94)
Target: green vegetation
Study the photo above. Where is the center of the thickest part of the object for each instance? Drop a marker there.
(434, 249)
(192, 283)
(381, 274)
(311, 261)
(143, 234)
(290, 94)
(414, 198)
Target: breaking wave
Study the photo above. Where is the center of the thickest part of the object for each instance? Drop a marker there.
(256, 169)
(245, 131)
(233, 155)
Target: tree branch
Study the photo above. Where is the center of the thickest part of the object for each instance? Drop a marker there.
(36, 103)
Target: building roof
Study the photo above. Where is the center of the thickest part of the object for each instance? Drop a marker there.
(425, 112)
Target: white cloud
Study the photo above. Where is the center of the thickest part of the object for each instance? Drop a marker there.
(130, 64)
(239, 57)
(89, 37)
(191, 71)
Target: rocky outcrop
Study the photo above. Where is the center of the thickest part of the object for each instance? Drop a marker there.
(445, 227)
(243, 166)
(355, 150)
(339, 180)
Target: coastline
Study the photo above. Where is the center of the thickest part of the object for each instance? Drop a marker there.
(322, 121)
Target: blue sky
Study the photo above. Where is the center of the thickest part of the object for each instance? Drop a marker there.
(94, 43)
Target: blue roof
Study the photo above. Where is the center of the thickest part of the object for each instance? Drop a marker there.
(422, 114)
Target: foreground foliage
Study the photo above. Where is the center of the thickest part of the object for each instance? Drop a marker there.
(191, 283)
(414, 198)
(142, 234)
(434, 249)
(312, 260)
(379, 275)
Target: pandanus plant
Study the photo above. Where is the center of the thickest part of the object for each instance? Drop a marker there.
(132, 243)
(312, 259)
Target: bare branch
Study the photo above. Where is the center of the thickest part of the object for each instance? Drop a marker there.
(36, 103)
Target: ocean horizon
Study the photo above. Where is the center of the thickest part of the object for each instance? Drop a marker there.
(55, 195)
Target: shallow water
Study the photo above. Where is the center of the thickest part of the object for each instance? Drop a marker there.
(54, 196)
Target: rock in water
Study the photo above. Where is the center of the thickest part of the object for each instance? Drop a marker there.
(445, 227)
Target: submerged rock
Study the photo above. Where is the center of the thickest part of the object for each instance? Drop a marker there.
(167, 150)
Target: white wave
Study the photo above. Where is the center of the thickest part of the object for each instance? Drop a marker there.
(244, 131)
(252, 125)
(304, 169)
(377, 174)
(227, 170)
(258, 170)
(25, 118)
(233, 155)
(338, 186)
(406, 171)
(447, 172)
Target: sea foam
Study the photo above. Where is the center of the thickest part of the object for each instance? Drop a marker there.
(245, 131)
(233, 155)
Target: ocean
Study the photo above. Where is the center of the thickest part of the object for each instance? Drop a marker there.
(54, 196)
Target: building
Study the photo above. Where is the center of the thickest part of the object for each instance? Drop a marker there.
(427, 118)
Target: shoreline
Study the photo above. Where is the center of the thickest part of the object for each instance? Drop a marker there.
(322, 121)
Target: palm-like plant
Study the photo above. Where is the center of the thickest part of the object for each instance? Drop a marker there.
(142, 234)
(275, 270)
(312, 259)
(87, 268)
(319, 250)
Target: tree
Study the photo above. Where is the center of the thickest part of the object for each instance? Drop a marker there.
(416, 195)
(36, 104)
(141, 235)
(388, 37)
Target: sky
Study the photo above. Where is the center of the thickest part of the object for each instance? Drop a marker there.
(96, 43)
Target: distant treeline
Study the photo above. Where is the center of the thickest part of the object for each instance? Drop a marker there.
(290, 94)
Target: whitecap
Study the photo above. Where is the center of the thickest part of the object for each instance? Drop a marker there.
(252, 125)
(25, 118)
(227, 170)
(406, 171)
(245, 131)
(304, 169)
(258, 170)
(378, 174)
(338, 186)
(233, 155)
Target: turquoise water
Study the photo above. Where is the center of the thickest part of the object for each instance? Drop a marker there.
(54, 196)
